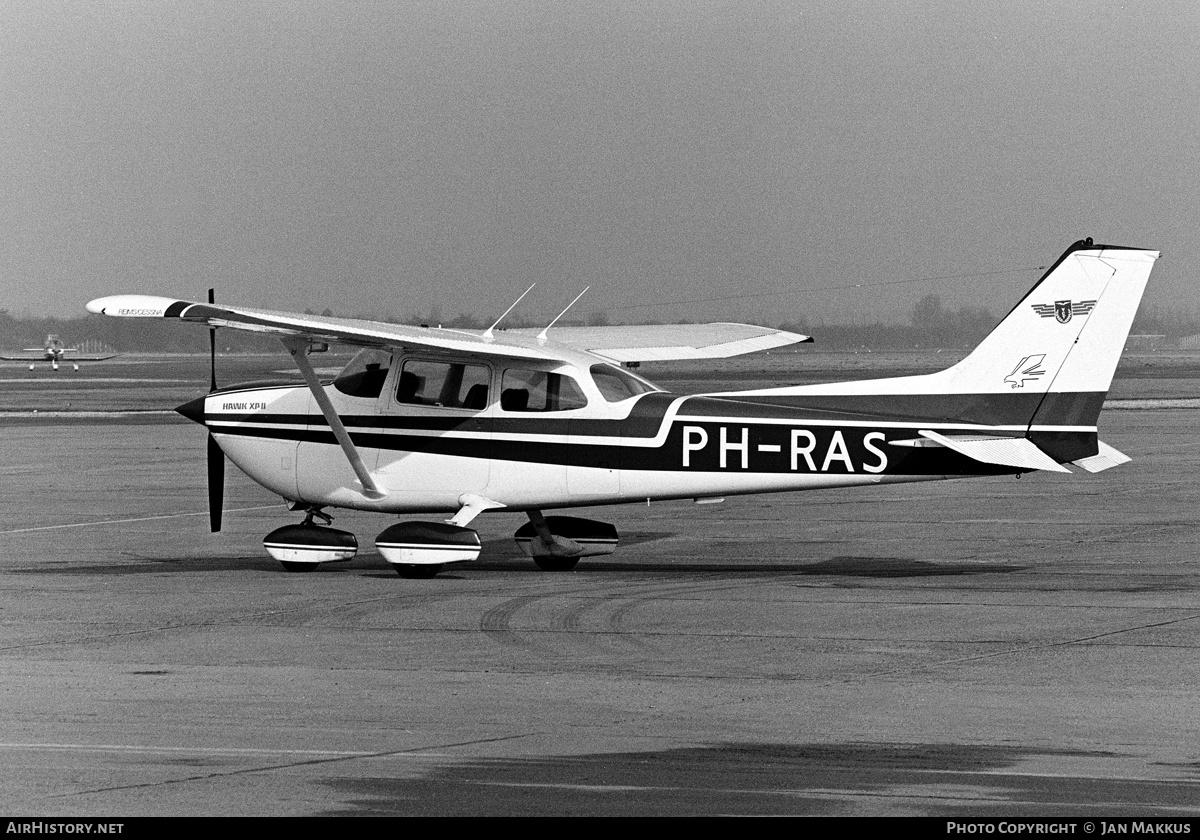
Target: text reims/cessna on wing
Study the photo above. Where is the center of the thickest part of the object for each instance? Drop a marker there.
(441, 421)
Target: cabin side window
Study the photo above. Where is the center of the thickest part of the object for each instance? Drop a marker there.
(616, 385)
(537, 390)
(365, 374)
(444, 384)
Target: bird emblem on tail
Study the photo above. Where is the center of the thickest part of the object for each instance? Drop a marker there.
(1028, 368)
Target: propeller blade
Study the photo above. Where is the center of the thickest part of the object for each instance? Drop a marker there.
(212, 348)
(216, 458)
(216, 484)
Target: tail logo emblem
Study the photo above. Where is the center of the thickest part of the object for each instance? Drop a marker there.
(1027, 369)
(1064, 310)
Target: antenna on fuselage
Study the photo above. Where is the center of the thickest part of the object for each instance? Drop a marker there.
(542, 335)
(488, 332)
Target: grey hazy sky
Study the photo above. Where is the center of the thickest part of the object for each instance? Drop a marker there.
(393, 157)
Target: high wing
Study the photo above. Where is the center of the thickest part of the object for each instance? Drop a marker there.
(317, 328)
(662, 342)
(624, 343)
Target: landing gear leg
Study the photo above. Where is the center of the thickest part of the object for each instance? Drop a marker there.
(314, 512)
(552, 554)
(555, 543)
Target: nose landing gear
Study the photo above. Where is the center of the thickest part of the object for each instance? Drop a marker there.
(302, 547)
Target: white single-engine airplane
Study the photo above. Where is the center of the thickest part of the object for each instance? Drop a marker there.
(54, 352)
(444, 421)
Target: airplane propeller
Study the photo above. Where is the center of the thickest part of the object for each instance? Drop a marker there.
(216, 458)
(216, 484)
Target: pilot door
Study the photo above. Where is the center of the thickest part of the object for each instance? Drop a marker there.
(435, 434)
(321, 465)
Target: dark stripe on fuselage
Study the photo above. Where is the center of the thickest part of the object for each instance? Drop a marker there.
(262, 385)
(644, 421)
(717, 434)
(646, 418)
(1054, 409)
(761, 448)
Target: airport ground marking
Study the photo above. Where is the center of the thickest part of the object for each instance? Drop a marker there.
(135, 519)
(307, 763)
(1031, 648)
(165, 749)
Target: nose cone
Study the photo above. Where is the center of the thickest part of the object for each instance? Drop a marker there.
(193, 410)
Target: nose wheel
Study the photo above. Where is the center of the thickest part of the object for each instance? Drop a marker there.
(301, 548)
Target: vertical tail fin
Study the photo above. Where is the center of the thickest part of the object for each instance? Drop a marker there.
(1066, 335)
(1044, 370)
(1063, 342)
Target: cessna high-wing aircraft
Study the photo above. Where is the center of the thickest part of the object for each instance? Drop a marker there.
(54, 352)
(443, 421)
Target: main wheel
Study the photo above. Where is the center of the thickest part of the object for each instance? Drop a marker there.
(417, 571)
(556, 564)
(298, 567)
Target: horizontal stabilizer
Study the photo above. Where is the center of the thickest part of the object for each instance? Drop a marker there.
(1108, 457)
(1005, 451)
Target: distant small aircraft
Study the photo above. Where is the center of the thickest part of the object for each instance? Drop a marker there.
(446, 421)
(54, 352)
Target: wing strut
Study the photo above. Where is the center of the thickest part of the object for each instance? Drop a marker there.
(299, 350)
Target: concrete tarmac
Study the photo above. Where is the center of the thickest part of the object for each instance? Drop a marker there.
(978, 647)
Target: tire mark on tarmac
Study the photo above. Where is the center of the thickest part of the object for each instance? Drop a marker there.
(497, 622)
(1027, 648)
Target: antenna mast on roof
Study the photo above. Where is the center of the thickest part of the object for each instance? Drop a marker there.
(542, 334)
(488, 332)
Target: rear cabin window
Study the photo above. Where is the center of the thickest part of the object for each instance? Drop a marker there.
(536, 390)
(616, 385)
(444, 384)
(365, 375)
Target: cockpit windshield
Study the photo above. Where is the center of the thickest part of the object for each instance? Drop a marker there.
(616, 384)
(365, 375)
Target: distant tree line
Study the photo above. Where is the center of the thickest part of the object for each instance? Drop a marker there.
(931, 325)
(934, 325)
